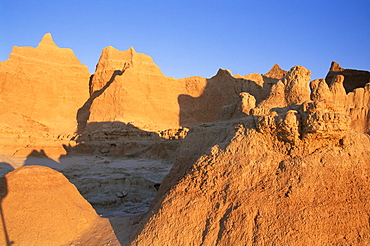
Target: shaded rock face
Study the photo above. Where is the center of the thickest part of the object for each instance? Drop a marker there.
(295, 171)
(41, 207)
(352, 78)
(51, 82)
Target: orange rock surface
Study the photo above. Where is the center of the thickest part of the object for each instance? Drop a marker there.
(46, 84)
(138, 93)
(39, 206)
(298, 175)
(273, 159)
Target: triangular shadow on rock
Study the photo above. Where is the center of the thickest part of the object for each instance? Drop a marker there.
(221, 90)
(83, 113)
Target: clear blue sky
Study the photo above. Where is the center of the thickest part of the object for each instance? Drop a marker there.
(188, 38)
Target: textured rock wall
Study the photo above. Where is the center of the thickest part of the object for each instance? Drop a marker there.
(293, 172)
(47, 84)
(143, 96)
(260, 190)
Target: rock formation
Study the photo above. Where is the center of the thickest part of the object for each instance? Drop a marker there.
(143, 96)
(290, 91)
(288, 176)
(269, 159)
(39, 206)
(41, 90)
(140, 96)
(352, 78)
(50, 81)
(276, 72)
(137, 92)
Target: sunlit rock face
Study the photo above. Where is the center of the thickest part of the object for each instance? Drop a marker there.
(46, 84)
(40, 206)
(295, 171)
(138, 93)
(41, 90)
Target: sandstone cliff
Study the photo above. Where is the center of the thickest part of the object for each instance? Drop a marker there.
(41, 90)
(142, 101)
(47, 84)
(138, 93)
(296, 174)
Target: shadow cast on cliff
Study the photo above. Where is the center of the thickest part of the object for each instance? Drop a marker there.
(221, 90)
(83, 113)
(118, 139)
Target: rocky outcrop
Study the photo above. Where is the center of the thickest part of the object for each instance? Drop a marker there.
(39, 206)
(291, 176)
(143, 96)
(352, 78)
(47, 84)
(139, 95)
(240, 109)
(290, 91)
(355, 105)
(41, 91)
(259, 190)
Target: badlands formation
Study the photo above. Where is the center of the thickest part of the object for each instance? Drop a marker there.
(273, 159)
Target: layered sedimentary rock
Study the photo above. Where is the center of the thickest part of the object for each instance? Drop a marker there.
(143, 101)
(295, 174)
(39, 206)
(47, 84)
(352, 78)
(139, 93)
(41, 90)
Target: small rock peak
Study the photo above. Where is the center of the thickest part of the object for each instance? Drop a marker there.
(335, 67)
(47, 40)
(223, 72)
(276, 72)
(132, 50)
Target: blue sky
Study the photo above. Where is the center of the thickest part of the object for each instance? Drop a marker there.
(189, 38)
